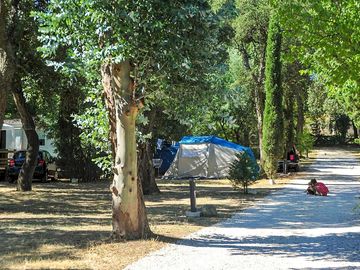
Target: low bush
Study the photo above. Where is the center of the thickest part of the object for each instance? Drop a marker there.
(243, 171)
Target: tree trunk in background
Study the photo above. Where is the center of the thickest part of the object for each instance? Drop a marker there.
(258, 92)
(300, 115)
(13, 82)
(72, 156)
(146, 169)
(128, 209)
(259, 103)
(5, 66)
(289, 122)
(28, 168)
(356, 134)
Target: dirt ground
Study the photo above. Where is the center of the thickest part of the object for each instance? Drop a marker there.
(61, 225)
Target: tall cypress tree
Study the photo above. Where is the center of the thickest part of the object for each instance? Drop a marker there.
(273, 126)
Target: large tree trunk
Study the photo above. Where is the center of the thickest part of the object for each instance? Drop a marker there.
(28, 168)
(129, 213)
(12, 45)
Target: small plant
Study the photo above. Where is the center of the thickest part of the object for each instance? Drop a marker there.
(305, 143)
(243, 171)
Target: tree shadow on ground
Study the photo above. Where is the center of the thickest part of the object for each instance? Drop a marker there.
(338, 247)
(293, 224)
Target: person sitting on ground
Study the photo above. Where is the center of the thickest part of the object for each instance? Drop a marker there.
(317, 188)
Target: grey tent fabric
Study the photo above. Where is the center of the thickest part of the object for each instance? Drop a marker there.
(205, 159)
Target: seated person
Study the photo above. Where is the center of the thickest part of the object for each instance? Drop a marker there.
(292, 155)
(317, 188)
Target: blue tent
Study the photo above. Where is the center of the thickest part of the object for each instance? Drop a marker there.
(167, 154)
(218, 141)
(204, 157)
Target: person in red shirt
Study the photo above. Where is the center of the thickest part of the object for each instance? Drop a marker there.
(317, 188)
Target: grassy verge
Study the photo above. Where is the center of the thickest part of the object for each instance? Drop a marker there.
(67, 226)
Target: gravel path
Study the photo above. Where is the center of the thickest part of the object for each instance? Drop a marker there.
(287, 230)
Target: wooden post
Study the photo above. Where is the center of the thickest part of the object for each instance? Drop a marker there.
(285, 167)
(192, 195)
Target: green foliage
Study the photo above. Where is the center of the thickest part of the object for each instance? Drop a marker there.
(230, 112)
(273, 126)
(326, 113)
(172, 48)
(93, 123)
(305, 142)
(243, 171)
(327, 33)
(342, 125)
(245, 78)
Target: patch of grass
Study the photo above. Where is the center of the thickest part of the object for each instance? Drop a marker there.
(68, 226)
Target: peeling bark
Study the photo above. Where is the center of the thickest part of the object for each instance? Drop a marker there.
(129, 213)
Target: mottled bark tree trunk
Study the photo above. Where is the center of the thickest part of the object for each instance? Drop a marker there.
(128, 209)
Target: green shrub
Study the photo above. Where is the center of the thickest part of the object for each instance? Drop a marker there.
(243, 171)
(305, 143)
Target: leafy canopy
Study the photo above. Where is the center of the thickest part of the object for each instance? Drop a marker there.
(328, 34)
